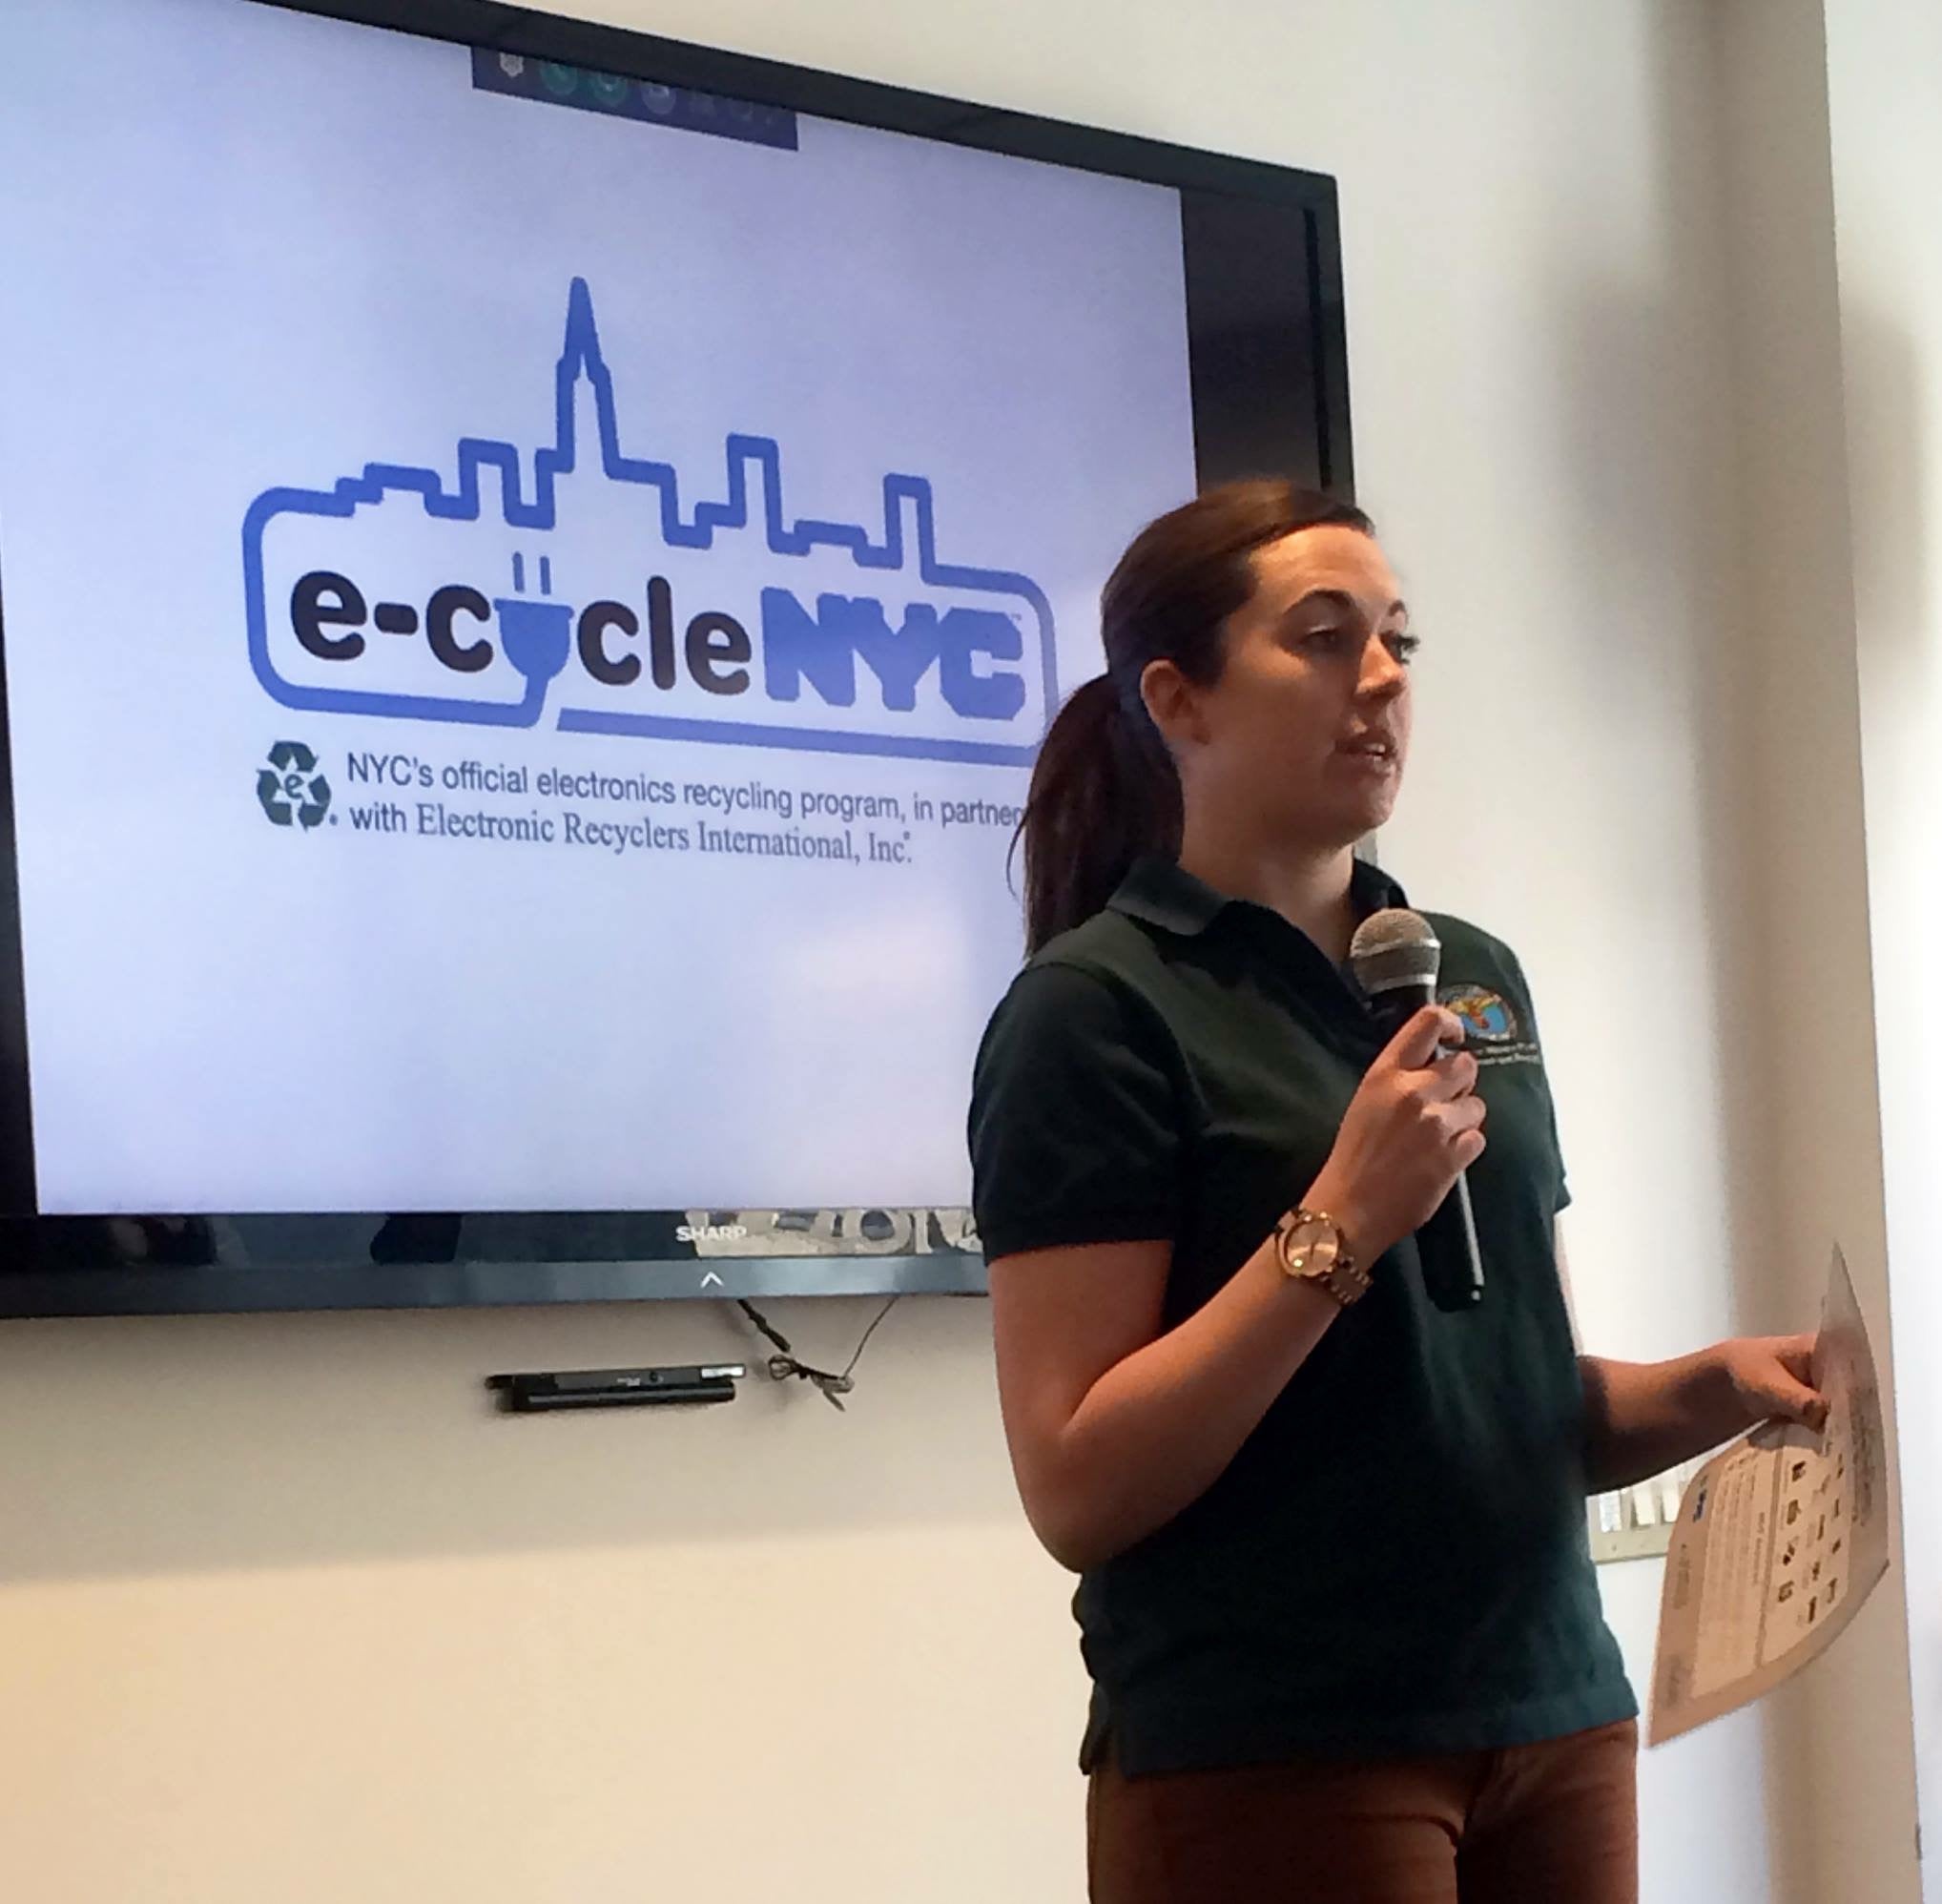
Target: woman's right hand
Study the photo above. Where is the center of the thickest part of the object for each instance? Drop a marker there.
(1414, 1124)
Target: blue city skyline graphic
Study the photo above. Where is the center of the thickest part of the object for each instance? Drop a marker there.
(536, 634)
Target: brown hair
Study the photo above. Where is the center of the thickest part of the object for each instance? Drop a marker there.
(1104, 790)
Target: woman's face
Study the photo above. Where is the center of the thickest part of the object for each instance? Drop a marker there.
(1308, 727)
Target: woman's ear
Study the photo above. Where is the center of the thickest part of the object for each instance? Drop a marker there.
(1174, 704)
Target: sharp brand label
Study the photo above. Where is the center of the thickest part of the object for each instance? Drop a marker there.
(710, 1232)
(587, 596)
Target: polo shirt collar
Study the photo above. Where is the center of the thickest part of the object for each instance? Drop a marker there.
(1158, 893)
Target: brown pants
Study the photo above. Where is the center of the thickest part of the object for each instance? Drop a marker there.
(1549, 1824)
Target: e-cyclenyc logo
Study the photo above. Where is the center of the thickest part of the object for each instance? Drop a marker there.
(578, 586)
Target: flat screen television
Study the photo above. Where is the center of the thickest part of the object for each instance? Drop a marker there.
(535, 561)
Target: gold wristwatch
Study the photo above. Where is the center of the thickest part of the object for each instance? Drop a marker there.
(1313, 1250)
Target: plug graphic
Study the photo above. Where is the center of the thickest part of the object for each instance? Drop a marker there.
(537, 636)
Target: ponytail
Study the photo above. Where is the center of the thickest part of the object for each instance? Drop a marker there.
(1104, 791)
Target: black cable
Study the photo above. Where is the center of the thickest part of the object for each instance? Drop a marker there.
(783, 1364)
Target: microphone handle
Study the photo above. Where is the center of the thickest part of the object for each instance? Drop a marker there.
(1455, 1221)
(1452, 1260)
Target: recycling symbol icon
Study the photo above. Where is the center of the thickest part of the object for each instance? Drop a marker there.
(293, 792)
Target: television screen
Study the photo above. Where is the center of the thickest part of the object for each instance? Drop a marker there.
(534, 563)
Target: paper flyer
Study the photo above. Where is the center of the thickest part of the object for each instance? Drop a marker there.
(1780, 1539)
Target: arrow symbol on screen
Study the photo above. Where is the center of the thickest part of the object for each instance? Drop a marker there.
(710, 1277)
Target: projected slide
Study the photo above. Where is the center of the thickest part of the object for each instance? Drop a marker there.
(530, 601)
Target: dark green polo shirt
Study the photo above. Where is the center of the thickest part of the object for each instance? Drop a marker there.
(1395, 1562)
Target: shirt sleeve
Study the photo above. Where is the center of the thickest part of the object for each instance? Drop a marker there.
(1074, 1126)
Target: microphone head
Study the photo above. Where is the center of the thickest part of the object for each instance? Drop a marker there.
(1392, 948)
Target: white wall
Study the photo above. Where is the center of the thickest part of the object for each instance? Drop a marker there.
(1885, 97)
(288, 1614)
(283, 1611)
(1844, 1775)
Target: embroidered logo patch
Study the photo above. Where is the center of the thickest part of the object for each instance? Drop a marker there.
(1487, 1015)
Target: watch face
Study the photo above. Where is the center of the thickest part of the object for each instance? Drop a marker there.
(1312, 1246)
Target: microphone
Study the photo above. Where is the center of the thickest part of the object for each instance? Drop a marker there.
(1395, 955)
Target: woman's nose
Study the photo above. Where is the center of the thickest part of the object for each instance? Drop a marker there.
(1383, 676)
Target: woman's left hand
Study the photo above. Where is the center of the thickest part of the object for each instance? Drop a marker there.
(1773, 1377)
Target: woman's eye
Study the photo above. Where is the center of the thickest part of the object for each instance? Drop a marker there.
(1333, 641)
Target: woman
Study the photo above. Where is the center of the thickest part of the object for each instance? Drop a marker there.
(1334, 1596)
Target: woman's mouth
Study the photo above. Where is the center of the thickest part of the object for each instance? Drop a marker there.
(1374, 753)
